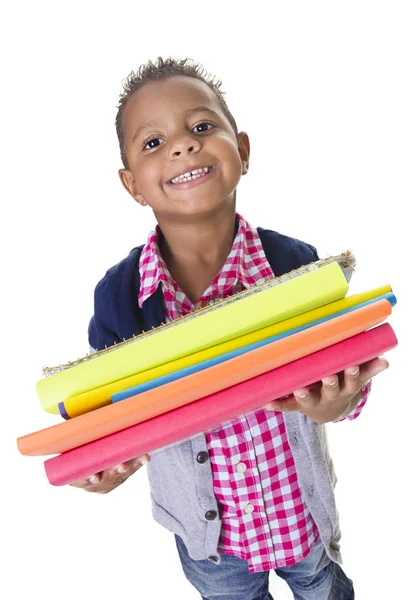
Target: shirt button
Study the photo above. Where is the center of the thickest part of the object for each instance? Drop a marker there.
(202, 457)
(210, 515)
(249, 508)
(241, 467)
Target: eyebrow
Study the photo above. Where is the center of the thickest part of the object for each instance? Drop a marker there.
(150, 124)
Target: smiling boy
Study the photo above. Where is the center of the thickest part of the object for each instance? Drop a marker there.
(257, 493)
(188, 212)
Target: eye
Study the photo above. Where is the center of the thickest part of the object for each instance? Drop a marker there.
(204, 124)
(150, 143)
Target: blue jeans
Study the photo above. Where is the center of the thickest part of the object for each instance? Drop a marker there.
(315, 577)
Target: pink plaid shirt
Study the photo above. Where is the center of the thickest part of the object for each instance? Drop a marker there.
(264, 518)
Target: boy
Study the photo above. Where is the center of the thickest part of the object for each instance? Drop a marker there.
(257, 493)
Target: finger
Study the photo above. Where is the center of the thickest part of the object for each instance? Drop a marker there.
(137, 463)
(115, 475)
(130, 467)
(283, 404)
(306, 398)
(87, 482)
(330, 388)
(351, 381)
(121, 472)
(79, 483)
(372, 368)
(109, 479)
(120, 469)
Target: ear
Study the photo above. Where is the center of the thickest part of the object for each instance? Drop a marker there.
(130, 185)
(243, 145)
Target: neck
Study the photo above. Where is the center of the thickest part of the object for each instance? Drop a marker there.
(206, 240)
(195, 251)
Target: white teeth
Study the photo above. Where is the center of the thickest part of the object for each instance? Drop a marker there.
(191, 175)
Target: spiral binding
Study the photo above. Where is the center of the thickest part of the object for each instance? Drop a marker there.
(346, 260)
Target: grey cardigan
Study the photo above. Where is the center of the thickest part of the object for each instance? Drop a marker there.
(183, 499)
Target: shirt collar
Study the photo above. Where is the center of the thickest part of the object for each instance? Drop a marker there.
(239, 264)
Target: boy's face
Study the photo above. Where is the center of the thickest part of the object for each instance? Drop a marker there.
(173, 126)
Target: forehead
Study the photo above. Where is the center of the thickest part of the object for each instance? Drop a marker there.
(161, 100)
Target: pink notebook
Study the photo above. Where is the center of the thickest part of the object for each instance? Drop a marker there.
(218, 408)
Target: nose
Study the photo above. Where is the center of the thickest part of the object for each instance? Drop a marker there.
(185, 145)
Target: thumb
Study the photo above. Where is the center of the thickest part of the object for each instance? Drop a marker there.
(373, 367)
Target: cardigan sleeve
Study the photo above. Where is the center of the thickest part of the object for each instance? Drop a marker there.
(101, 331)
(116, 313)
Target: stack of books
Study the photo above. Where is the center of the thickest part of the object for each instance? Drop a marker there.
(196, 373)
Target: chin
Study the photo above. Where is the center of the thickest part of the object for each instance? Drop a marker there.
(207, 208)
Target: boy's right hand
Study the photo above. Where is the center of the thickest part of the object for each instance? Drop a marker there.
(108, 480)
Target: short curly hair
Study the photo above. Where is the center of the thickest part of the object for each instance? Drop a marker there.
(163, 69)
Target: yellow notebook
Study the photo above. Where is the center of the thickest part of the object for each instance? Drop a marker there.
(260, 306)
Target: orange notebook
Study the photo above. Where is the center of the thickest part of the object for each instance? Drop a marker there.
(110, 419)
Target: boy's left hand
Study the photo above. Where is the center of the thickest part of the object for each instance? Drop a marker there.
(335, 397)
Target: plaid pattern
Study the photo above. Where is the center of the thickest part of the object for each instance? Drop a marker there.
(264, 518)
(364, 397)
(245, 265)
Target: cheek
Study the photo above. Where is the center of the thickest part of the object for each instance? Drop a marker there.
(148, 174)
(235, 167)
(231, 159)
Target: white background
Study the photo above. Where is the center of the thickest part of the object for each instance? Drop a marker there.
(328, 92)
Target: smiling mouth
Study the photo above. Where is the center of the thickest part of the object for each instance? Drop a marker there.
(192, 175)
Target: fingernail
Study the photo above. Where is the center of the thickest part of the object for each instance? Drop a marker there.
(141, 462)
(93, 479)
(301, 395)
(121, 469)
(354, 372)
(331, 382)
